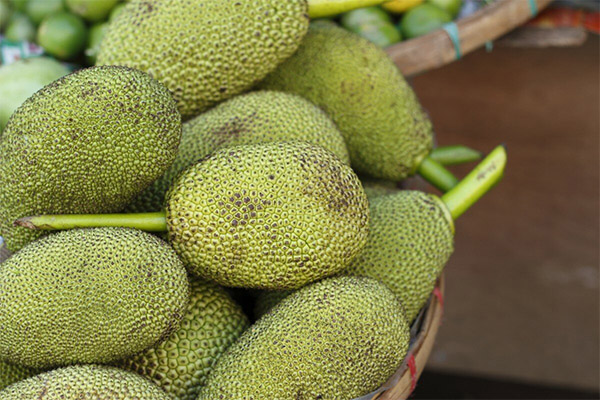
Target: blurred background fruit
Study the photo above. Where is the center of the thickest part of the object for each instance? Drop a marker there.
(37, 10)
(91, 10)
(423, 19)
(62, 35)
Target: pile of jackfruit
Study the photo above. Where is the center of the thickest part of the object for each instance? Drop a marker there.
(222, 150)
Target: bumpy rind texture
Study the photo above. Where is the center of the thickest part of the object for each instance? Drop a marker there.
(267, 299)
(85, 382)
(377, 187)
(181, 364)
(410, 241)
(268, 216)
(87, 143)
(386, 130)
(339, 338)
(89, 296)
(257, 117)
(11, 373)
(205, 51)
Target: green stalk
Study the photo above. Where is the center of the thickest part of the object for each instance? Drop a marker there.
(453, 155)
(477, 183)
(328, 8)
(150, 222)
(436, 174)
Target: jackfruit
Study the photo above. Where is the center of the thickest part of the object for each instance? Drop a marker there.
(85, 382)
(267, 299)
(181, 364)
(387, 132)
(272, 216)
(88, 142)
(257, 117)
(377, 187)
(339, 338)
(11, 373)
(205, 51)
(89, 296)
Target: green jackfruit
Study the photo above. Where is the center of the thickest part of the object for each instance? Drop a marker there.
(181, 364)
(387, 132)
(339, 338)
(267, 299)
(88, 142)
(272, 216)
(11, 373)
(85, 382)
(89, 296)
(257, 117)
(410, 241)
(377, 187)
(205, 51)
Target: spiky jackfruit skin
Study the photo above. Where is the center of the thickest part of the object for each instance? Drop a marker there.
(257, 117)
(339, 338)
(268, 216)
(85, 382)
(378, 187)
(181, 364)
(11, 373)
(87, 143)
(205, 51)
(89, 296)
(267, 299)
(410, 241)
(386, 130)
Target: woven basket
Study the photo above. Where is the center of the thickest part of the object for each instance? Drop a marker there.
(438, 48)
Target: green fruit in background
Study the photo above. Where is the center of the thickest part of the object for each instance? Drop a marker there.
(89, 142)
(19, 28)
(23, 78)
(271, 216)
(181, 364)
(257, 117)
(62, 35)
(423, 19)
(92, 10)
(411, 238)
(340, 338)
(40, 9)
(386, 130)
(19, 5)
(85, 382)
(452, 7)
(11, 373)
(116, 11)
(208, 52)
(356, 19)
(5, 13)
(89, 296)
(383, 34)
(95, 37)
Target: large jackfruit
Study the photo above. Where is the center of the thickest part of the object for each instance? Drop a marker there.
(387, 132)
(85, 382)
(272, 216)
(87, 143)
(181, 364)
(339, 338)
(205, 51)
(257, 117)
(89, 296)
(11, 373)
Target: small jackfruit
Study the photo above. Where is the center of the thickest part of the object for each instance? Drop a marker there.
(410, 241)
(272, 216)
(89, 296)
(88, 142)
(339, 338)
(257, 117)
(85, 382)
(387, 132)
(181, 364)
(205, 51)
(11, 373)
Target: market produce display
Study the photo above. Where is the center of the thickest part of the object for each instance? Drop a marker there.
(217, 145)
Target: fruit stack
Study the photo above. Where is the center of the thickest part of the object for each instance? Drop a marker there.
(222, 150)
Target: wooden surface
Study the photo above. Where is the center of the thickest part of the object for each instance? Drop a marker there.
(436, 49)
(523, 285)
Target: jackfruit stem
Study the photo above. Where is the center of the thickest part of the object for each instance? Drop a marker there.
(435, 173)
(149, 222)
(328, 8)
(453, 155)
(477, 183)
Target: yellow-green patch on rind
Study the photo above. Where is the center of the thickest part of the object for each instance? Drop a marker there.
(181, 364)
(257, 117)
(272, 216)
